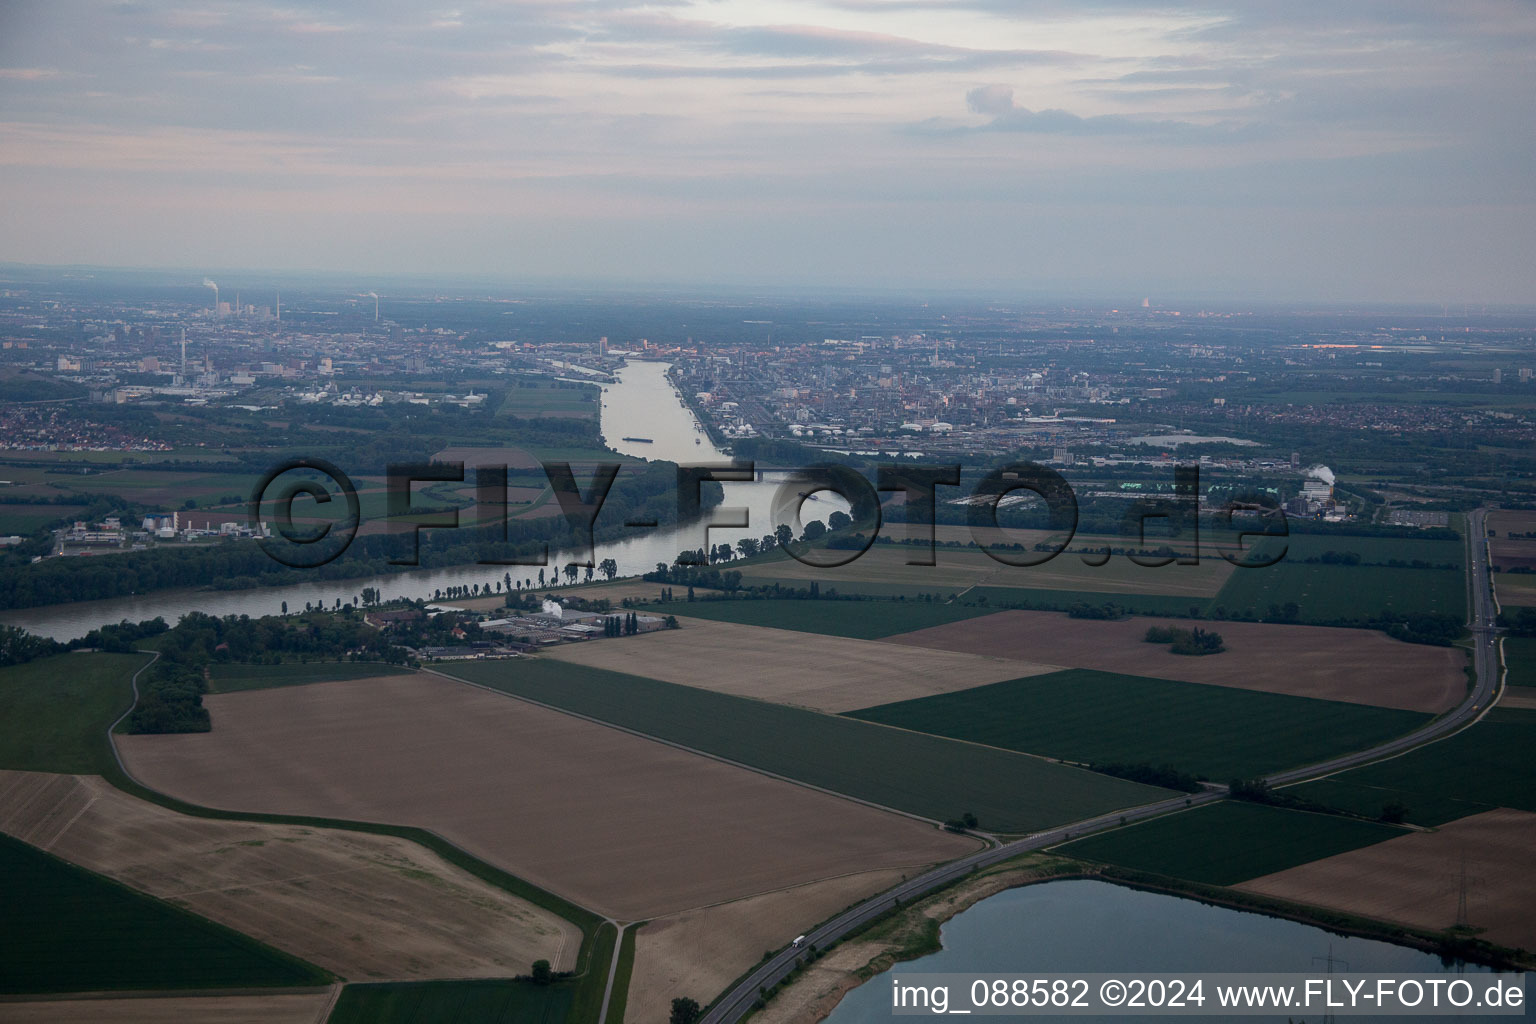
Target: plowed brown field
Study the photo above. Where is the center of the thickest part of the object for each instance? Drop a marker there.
(1417, 879)
(1355, 665)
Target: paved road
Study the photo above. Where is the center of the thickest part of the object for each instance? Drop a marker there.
(738, 1001)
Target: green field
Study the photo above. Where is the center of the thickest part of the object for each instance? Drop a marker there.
(926, 775)
(1228, 842)
(1492, 764)
(448, 1002)
(1063, 600)
(23, 519)
(54, 711)
(864, 620)
(533, 402)
(66, 929)
(1092, 717)
(1520, 658)
(1302, 546)
(1331, 592)
(233, 678)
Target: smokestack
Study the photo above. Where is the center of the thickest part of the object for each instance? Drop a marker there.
(375, 296)
(279, 305)
(209, 284)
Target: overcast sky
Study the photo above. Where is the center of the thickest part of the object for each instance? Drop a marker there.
(1296, 150)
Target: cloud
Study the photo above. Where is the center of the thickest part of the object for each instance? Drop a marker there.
(990, 99)
(996, 102)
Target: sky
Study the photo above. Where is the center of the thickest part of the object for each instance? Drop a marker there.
(1306, 150)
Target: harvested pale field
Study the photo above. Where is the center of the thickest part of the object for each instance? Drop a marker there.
(958, 568)
(1358, 666)
(699, 952)
(366, 907)
(1518, 697)
(1416, 879)
(269, 1008)
(827, 673)
(625, 826)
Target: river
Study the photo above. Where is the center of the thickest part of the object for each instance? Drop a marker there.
(642, 403)
(1091, 926)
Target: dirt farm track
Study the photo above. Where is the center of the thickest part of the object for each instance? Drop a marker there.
(625, 826)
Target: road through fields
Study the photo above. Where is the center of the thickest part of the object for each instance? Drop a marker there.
(737, 1002)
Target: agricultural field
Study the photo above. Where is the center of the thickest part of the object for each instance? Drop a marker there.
(1516, 589)
(1302, 546)
(54, 712)
(1228, 842)
(575, 401)
(448, 1002)
(960, 568)
(699, 952)
(273, 1008)
(66, 929)
(1064, 600)
(1414, 879)
(1492, 764)
(926, 775)
(865, 620)
(232, 678)
(1353, 665)
(1520, 659)
(165, 489)
(1327, 593)
(24, 519)
(362, 906)
(1092, 717)
(828, 673)
(1509, 552)
(627, 827)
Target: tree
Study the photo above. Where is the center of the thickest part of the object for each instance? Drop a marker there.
(609, 567)
(542, 975)
(570, 572)
(747, 546)
(839, 520)
(814, 531)
(285, 607)
(685, 1011)
(783, 534)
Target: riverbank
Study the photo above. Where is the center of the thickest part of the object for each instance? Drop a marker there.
(913, 932)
